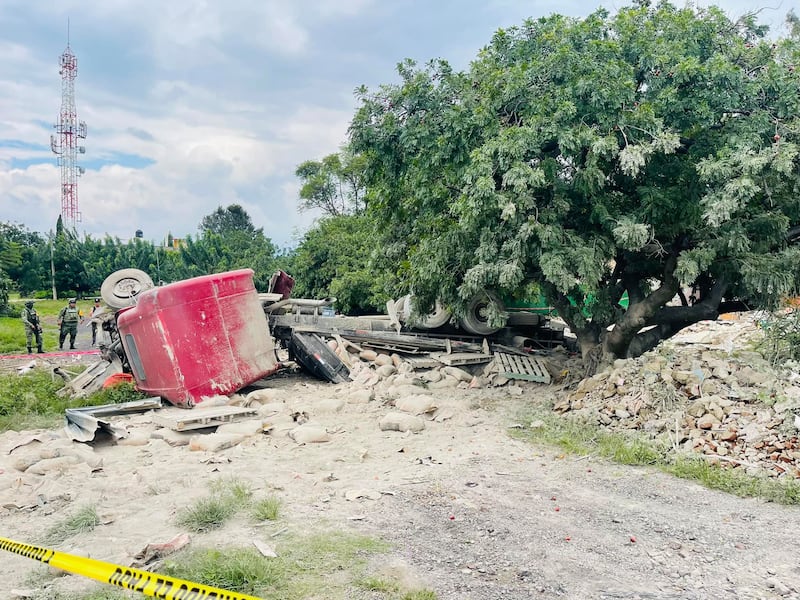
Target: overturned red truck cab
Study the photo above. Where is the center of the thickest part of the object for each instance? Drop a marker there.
(198, 338)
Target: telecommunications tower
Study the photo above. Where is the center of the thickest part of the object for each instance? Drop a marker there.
(65, 141)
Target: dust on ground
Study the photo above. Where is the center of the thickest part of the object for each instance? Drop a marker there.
(469, 511)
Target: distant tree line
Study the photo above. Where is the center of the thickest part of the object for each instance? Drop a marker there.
(35, 264)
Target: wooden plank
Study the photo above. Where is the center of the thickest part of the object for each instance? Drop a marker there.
(461, 358)
(529, 368)
(197, 418)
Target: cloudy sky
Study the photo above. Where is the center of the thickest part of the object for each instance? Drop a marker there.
(195, 104)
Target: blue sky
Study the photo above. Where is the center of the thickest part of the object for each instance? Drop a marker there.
(195, 104)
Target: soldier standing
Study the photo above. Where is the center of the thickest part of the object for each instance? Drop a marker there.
(33, 327)
(68, 322)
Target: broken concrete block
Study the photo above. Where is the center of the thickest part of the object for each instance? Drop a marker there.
(214, 442)
(383, 360)
(271, 408)
(444, 383)
(265, 396)
(369, 355)
(248, 428)
(329, 405)
(457, 373)
(386, 370)
(360, 397)
(53, 465)
(432, 376)
(173, 438)
(401, 422)
(417, 404)
(309, 433)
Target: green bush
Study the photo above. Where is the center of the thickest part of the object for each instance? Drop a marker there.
(781, 337)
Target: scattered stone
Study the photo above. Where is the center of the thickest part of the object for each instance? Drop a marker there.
(310, 434)
(214, 442)
(403, 422)
(360, 396)
(416, 404)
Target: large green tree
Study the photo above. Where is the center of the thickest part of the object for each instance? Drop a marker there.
(633, 153)
(229, 240)
(335, 258)
(333, 185)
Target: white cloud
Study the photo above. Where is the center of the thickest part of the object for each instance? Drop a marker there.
(221, 100)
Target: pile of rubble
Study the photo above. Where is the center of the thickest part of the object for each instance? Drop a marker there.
(708, 391)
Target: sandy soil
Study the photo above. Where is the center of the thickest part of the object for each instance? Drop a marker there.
(470, 512)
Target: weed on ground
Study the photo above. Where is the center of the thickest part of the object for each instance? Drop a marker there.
(579, 437)
(85, 519)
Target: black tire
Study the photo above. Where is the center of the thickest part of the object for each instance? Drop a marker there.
(119, 290)
(475, 321)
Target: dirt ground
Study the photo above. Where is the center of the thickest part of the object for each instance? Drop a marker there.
(470, 512)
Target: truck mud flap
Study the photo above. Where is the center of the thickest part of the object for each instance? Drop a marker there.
(313, 354)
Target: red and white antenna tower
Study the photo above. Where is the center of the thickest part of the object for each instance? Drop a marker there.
(69, 131)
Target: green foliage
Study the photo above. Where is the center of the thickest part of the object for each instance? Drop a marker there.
(85, 519)
(117, 394)
(304, 565)
(334, 185)
(781, 340)
(591, 156)
(207, 513)
(267, 509)
(30, 400)
(227, 497)
(5, 288)
(336, 259)
(232, 569)
(228, 240)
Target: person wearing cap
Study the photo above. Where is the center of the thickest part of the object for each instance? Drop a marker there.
(92, 313)
(68, 323)
(33, 328)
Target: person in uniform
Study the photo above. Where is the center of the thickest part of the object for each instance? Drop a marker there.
(68, 323)
(33, 328)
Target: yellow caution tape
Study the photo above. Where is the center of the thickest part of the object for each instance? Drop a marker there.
(149, 584)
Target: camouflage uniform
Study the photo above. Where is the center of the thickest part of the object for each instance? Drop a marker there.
(32, 327)
(68, 322)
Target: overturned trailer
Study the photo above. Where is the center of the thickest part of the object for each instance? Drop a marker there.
(215, 334)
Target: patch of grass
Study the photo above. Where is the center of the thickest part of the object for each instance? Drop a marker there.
(237, 490)
(377, 584)
(31, 401)
(206, 514)
(420, 595)
(117, 394)
(233, 569)
(333, 562)
(781, 341)
(582, 438)
(228, 496)
(85, 519)
(12, 331)
(735, 482)
(101, 593)
(266, 509)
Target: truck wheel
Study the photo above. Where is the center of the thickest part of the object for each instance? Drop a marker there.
(476, 319)
(119, 290)
(438, 318)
